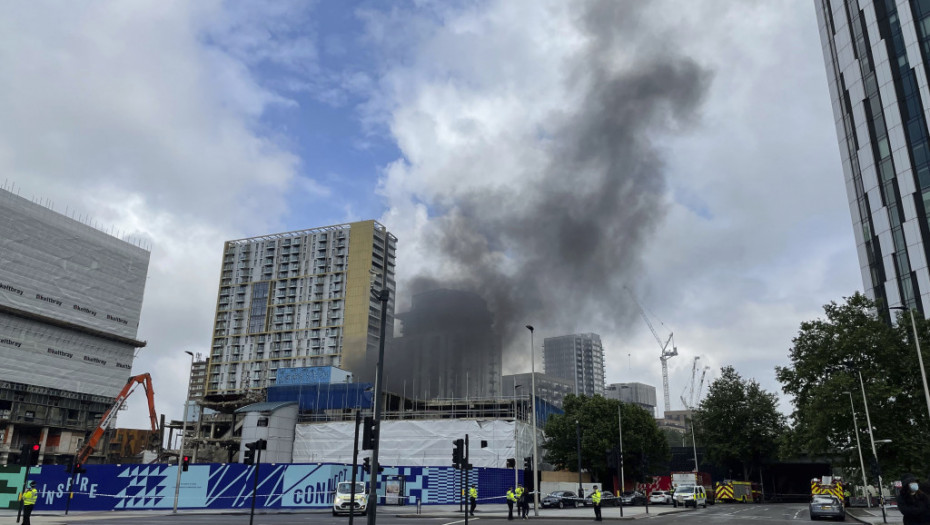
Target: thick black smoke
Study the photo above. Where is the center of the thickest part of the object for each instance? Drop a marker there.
(573, 237)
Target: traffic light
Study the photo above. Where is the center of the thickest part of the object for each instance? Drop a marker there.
(511, 463)
(79, 469)
(185, 463)
(249, 458)
(458, 453)
(29, 455)
(366, 465)
(368, 433)
(528, 463)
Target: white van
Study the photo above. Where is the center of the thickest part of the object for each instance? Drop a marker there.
(343, 501)
(689, 496)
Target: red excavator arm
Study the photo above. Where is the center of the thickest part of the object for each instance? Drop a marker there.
(146, 381)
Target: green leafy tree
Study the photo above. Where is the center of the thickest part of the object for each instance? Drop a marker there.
(739, 423)
(827, 357)
(599, 421)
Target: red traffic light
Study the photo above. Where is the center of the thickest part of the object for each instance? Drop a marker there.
(187, 458)
(35, 447)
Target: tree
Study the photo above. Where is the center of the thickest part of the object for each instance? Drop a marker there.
(598, 419)
(826, 359)
(739, 422)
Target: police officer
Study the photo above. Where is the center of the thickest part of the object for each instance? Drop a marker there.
(473, 497)
(511, 499)
(524, 504)
(29, 501)
(596, 500)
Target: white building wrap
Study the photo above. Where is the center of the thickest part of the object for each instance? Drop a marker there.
(419, 442)
(70, 300)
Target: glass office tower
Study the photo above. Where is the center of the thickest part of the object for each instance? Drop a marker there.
(876, 54)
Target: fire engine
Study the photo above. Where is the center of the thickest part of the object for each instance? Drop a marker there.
(730, 490)
(831, 485)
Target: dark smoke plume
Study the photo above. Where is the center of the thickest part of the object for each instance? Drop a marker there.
(574, 236)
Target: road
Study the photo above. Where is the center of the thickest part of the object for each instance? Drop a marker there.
(766, 514)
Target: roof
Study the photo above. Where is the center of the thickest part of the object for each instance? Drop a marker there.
(267, 406)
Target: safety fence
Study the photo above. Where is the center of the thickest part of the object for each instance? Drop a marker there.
(230, 486)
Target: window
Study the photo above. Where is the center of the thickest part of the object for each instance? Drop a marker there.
(262, 422)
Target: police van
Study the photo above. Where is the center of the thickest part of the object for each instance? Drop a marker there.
(343, 500)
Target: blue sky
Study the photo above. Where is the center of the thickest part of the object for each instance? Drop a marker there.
(545, 154)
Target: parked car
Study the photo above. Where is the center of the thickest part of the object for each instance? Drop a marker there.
(660, 497)
(560, 499)
(827, 506)
(689, 496)
(633, 497)
(607, 500)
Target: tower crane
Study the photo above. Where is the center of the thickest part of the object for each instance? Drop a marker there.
(697, 398)
(689, 402)
(666, 352)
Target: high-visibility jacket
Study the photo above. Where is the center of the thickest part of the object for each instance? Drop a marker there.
(511, 496)
(30, 496)
(473, 493)
(596, 497)
(519, 492)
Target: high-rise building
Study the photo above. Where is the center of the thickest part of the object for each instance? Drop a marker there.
(578, 358)
(877, 55)
(70, 301)
(449, 349)
(300, 299)
(639, 394)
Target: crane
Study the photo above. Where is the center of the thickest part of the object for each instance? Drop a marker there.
(109, 418)
(666, 352)
(697, 398)
(689, 402)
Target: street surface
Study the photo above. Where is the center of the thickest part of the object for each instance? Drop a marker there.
(766, 514)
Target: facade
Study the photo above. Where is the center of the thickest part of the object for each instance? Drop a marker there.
(876, 54)
(70, 301)
(639, 394)
(548, 388)
(300, 299)
(578, 358)
(449, 349)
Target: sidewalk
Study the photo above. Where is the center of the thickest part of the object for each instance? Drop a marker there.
(874, 515)
(491, 511)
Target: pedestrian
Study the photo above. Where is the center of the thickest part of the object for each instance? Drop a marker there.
(596, 500)
(29, 501)
(473, 498)
(511, 499)
(914, 501)
(524, 502)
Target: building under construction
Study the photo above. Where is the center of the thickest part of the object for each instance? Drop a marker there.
(70, 300)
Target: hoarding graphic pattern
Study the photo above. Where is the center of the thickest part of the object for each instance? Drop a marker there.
(229, 486)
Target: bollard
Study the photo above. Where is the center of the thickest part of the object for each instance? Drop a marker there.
(418, 504)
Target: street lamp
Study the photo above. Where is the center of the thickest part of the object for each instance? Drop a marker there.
(516, 477)
(177, 485)
(858, 445)
(920, 359)
(533, 404)
(383, 295)
(620, 423)
(868, 421)
(578, 443)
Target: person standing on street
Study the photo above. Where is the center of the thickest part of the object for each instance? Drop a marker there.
(511, 499)
(524, 503)
(596, 500)
(913, 501)
(29, 501)
(473, 498)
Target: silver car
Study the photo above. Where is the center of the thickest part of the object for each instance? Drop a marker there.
(827, 506)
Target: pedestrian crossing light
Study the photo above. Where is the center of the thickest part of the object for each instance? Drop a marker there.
(185, 463)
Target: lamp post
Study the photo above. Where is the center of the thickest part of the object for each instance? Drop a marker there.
(858, 445)
(177, 484)
(622, 477)
(516, 477)
(383, 295)
(920, 358)
(578, 443)
(868, 422)
(533, 403)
